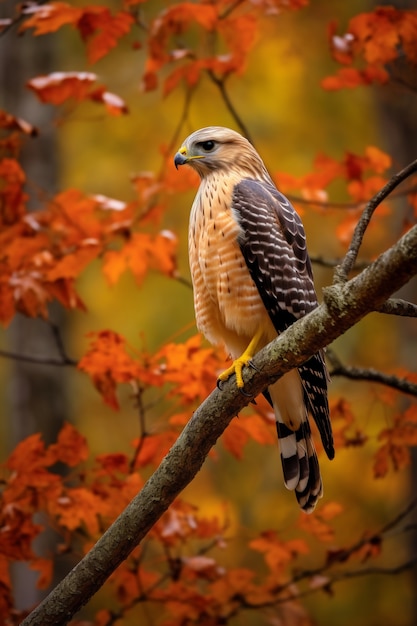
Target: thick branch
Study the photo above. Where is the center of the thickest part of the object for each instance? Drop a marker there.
(343, 307)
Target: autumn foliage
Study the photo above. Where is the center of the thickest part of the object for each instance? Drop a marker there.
(180, 572)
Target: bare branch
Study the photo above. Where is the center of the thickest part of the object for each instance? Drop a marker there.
(342, 272)
(327, 262)
(328, 204)
(369, 375)
(39, 360)
(396, 306)
(220, 84)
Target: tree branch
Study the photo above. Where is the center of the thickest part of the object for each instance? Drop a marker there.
(370, 375)
(221, 85)
(39, 360)
(344, 305)
(396, 306)
(342, 272)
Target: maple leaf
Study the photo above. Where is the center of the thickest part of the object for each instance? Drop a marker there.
(97, 26)
(317, 524)
(239, 34)
(50, 17)
(278, 553)
(201, 566)
(102, 30)
(58, 87)
(376, 39)
(79, 508)
(31, 454)
(398, 439)
(45, 567)
(173, 22)
(114, 104)
(142, 252)
(154, 447)
(192, 368)
(12, 197)
(108, 362)
(71, 447)
(16, 123)
(234, 584)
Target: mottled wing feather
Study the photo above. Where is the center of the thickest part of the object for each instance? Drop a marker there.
(314, 376)
(273, 244)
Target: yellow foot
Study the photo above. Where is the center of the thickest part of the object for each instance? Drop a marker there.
(238, 364)
(236, 368)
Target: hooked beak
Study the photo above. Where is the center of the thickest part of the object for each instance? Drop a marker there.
(180, 158)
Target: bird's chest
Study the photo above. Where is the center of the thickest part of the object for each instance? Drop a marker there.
(221, 278)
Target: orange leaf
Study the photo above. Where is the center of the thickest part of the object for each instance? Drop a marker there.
(153, 448)
(45, 567)
(108, 362)
(71, 265)
(139, 254)
(48, 18)
(71, 447)
(316, 524)
(278, 553)
(16, 123)
(12, 197)
(57, 87)
(102, 30)
(79, 508)
(234, 438)
(113, 103)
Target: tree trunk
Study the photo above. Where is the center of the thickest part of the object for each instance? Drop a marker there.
(36, 395)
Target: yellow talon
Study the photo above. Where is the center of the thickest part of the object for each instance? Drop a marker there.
(239, 363)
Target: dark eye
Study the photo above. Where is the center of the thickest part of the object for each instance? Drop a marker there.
(207, 145)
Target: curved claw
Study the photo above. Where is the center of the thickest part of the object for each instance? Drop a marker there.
(253, 366)
(219, 384)
(247, 395)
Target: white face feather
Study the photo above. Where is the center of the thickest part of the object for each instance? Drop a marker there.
(215, 148)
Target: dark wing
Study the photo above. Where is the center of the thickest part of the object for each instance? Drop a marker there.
(273, 244)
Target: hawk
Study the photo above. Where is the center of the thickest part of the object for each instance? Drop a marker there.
(252, 278)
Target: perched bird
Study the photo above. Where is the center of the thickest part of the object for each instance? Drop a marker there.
(252, 279)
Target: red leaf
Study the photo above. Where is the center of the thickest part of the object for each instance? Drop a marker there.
(108, 363)
(102, 30)
(113, 103)
(50, 17)
(16, 123)
(71, 447)
(57, 87)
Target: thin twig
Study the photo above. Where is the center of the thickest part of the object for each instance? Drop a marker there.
(39, 360)
(369, 375)
(142, 425)
(220, 84)
(397, 306)
(342, 272)
(327, 204)
(331, 263)
(184, 115)
(231, 8)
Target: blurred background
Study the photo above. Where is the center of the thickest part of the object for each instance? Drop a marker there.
(291, 119)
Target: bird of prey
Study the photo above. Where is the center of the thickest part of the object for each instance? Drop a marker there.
(252, 279)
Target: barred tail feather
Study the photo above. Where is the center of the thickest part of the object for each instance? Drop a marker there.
(300, 464)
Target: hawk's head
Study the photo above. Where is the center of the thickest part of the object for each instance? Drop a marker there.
(215, 148)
